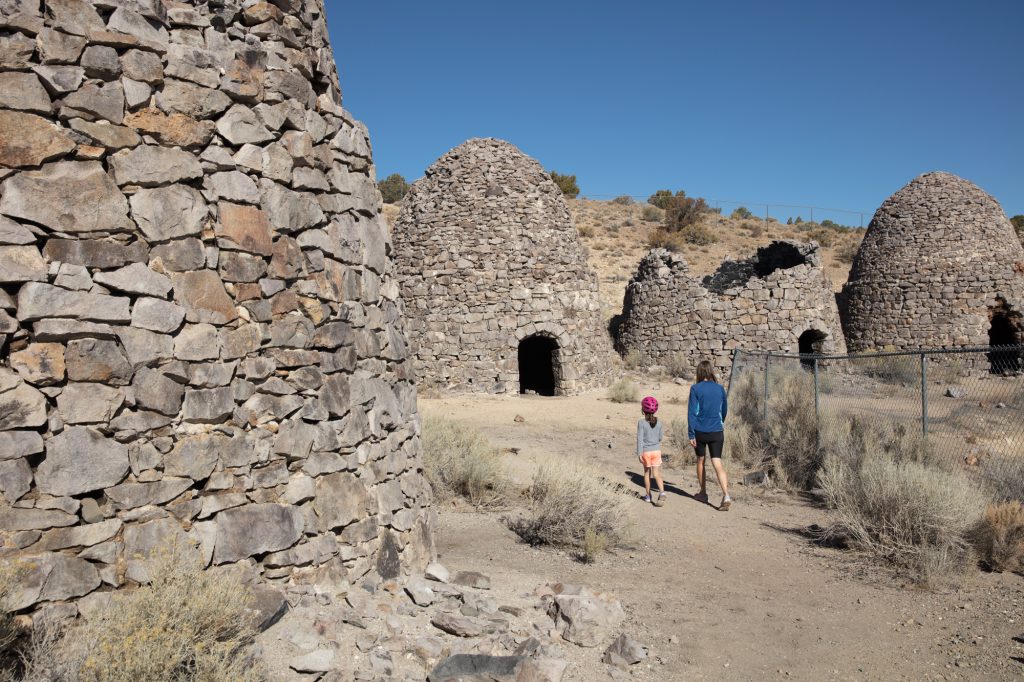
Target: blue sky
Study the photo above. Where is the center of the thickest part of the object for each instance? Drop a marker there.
(810, 103)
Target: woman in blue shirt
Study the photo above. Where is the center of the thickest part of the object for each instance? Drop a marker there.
(706, 412)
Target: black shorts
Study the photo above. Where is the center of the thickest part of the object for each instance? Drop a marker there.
(713, 441)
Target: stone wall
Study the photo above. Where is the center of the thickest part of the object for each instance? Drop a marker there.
(200, 329)
(765, 302)
(488, 256)
(938, 260)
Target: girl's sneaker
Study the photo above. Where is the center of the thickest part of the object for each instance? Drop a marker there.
(660, 501)
(647, 498)
(726, 503)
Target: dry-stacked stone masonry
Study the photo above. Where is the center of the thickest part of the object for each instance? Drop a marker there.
(494, 278)
(778, 300)
(939, 267)
(200, 328)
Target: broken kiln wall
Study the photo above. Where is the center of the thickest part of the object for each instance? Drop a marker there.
(199, 323)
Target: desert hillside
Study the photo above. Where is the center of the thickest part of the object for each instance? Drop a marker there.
(617, 236)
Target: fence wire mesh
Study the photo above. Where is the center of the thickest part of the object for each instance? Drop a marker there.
(965, 406)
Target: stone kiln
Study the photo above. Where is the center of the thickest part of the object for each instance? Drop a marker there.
(939, 267)
(199, 324)
(494, 278)
(778, 300)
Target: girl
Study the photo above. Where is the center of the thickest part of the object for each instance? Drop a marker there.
(648, 448)
(706, 424)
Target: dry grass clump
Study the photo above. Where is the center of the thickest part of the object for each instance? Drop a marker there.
(999, 537)
(460, 463)
(187, 625)
(10, 633)
(678, 365)
(573, 506)
(623, 391)
(914, 516)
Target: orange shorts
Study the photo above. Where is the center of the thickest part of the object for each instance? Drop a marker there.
(651, 459)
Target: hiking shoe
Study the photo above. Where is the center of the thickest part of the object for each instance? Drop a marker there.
(701, 497)
(660, 501)
(726, 503)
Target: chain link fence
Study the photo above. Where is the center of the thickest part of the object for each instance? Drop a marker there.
(965, 406)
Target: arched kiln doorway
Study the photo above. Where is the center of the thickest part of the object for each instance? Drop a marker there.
(538, 365)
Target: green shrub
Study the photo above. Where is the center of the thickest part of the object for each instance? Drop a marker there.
(623, 391)
(742, 213)
(847, 251)
(566, 183)
(651, 214)
(682, 211)
(624, 200)
(460, 463)
(660, 198)
(1018, 224)
(393, 188)
(571, 505)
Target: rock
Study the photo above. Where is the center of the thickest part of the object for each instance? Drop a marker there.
(290, 211)
(266, 606)
(24, 92)
(177, 129)
(956, 392)
(202, 295)
(236, 266)
(53, 197)
(181, 255)
(79, 536)
(192, 100)
(624, 652)
(106, 134)
(144, 347)
(246, 228)
(66, 577)
(94, 101)
(16, 444)
(437, 573)
(336, 396)
(144, 66)
(74, 16)
(211, 406)
(94, 253)
(419, 592)
(150, 165)
(13, 233)
(29, 140)
(80, 460)
(256, 529)
(37, 300)
(463, 626)
(142, 540)
(41, 364)
(60, 80)
(15, 478)
(477, 668)
(318, 661)
(18, 519)
(240, 126)
(21, 407)
(519, 419)
(157, 315)
(234, 186)
(125, 20)
(197, 342)
(21, 264)
(97, 360)
(585, 618)
(341, 499)
(100, 61)
(472, 579)
(89, 403)
(134, 495)
(755, 478)
(155, 391)
(135, 279)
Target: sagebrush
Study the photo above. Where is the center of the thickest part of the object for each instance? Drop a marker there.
(571, 505)
(623, 391)
(999, 537)
(460, 463)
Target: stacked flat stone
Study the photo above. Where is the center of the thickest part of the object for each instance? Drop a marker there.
(487, 255)
(765, 303)
(938, 258)
(199, 323)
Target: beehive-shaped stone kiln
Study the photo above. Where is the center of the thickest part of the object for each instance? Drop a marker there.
(199, 324)
(939, 267)
(778, 300)
(494, 278)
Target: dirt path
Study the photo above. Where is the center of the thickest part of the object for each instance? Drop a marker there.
(727, 595)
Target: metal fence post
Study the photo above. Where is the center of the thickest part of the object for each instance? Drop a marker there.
(924, 394)
(817, 410)
(767, 361)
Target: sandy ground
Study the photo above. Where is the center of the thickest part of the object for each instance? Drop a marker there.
(736, 594)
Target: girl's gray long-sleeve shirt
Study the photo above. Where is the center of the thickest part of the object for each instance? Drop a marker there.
(648, 438)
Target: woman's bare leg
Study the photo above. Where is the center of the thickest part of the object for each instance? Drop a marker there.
(723, 480)
(701, 480)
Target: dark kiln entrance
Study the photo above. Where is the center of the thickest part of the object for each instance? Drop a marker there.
(809, 343)
(1005, 330)
(538, 361)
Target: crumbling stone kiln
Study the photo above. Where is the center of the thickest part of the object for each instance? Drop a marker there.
(199, 322)
(494, 279)
(939, 267)
(778, 300)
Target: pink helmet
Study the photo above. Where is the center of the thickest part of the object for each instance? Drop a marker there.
(649, 405)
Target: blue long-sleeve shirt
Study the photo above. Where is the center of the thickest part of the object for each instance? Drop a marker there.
(707, 408)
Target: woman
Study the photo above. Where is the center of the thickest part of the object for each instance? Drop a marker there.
(706, 425)
(648, 448)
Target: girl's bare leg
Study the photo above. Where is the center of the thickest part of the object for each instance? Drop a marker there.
(722, 478)
(647, 480)
(657, 478)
